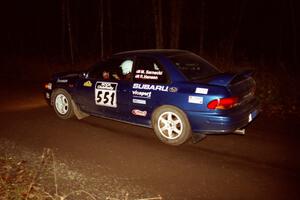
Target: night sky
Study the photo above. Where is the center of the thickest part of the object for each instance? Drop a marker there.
(259, 31)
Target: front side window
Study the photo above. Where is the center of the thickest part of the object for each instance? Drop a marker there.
(148, 70)
(126, 69)
(193, 66)
(112, 70)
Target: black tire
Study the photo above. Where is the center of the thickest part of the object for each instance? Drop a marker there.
(61, 101)
(171, 125)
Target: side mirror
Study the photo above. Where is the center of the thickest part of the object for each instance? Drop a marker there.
(84, 75)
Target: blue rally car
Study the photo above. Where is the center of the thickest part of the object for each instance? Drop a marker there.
(176, 92)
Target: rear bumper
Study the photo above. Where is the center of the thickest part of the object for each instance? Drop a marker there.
(227, 122)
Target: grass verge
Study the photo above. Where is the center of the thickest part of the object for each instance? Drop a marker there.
(32, 177)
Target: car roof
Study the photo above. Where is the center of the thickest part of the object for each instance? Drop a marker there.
(164, 52)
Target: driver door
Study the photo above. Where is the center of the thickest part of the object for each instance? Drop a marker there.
(106, 90)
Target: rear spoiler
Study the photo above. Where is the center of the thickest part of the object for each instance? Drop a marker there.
(246, 72)
(228, 78)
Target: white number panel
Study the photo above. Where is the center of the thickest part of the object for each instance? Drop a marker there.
(106, 94)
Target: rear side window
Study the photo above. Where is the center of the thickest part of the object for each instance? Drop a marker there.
(193, 66)
(148, 70)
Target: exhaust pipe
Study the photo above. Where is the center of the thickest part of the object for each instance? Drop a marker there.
(240, 131)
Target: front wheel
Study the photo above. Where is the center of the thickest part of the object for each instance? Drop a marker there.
(171, 125)
(62, 104)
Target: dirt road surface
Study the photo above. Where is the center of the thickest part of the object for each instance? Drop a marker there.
(263, 164)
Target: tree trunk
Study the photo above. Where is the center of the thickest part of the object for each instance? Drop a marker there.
(202, 26)
(99, 36)
(279, 51)
(63, 29)
(109, 28)
(102, 29)
(294, 32)
(176, 6)
(70, 31)
(157, 11)
(235, 32)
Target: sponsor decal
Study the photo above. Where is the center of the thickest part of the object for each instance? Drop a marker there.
(141, 94)
(195, 99)
(62, 80)
(87, 84)
(139, 112)
(201, 91)
(173, 89)
(139, 101)
(106, 94)
(106, 86)
(150, 87)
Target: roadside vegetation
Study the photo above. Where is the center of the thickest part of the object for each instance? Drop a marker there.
(27, 176)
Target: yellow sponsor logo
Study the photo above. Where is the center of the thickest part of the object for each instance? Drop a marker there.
(88, 84)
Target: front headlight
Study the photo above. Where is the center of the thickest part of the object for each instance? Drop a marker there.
(48, 86)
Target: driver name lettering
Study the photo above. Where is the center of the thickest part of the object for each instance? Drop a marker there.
(149, 72)
(144, 76)
(150, 87)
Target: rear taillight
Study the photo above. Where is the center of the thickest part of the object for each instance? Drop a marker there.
(222, 104)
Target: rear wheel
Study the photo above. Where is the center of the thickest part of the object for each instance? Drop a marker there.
(62, 104)
(170, 125)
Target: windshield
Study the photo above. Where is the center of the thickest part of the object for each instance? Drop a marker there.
(193, 66)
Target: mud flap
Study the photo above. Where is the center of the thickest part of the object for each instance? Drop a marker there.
(78, 113)
(197, 138)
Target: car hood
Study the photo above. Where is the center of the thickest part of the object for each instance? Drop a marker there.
(66, 75)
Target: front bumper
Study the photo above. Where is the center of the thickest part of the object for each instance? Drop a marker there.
(47, 96)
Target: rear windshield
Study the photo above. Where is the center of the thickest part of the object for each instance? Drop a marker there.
(193, 66)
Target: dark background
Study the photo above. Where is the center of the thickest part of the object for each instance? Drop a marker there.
(41, 37)
(259, 31)
(108, 158)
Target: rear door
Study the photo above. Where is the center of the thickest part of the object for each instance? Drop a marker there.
(150, 86)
